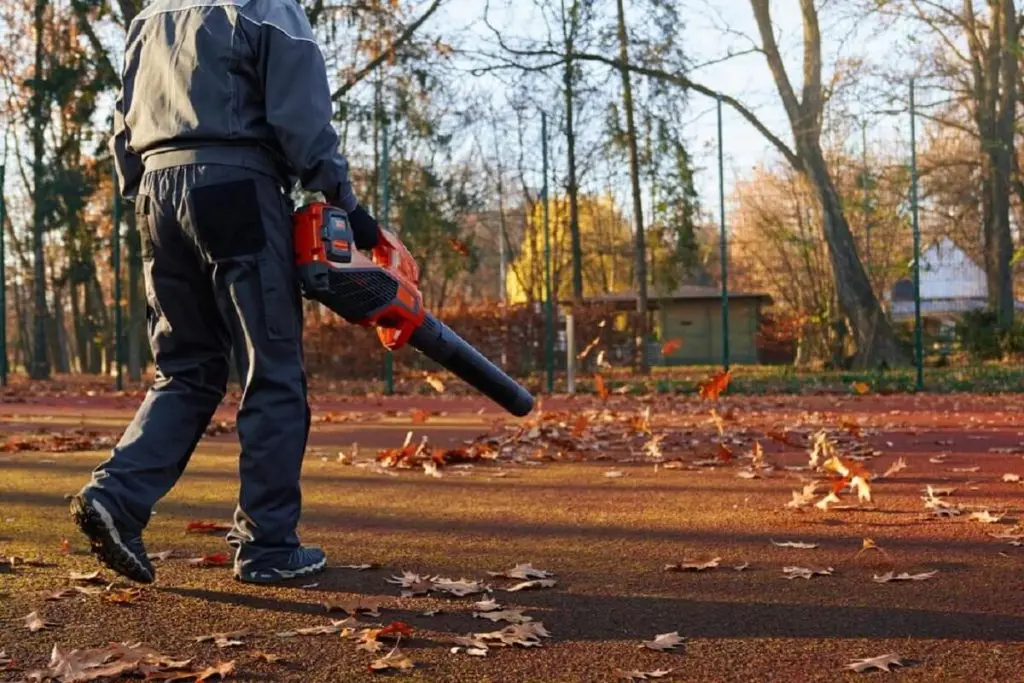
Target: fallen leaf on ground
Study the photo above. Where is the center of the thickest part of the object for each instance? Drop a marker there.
(524, 635)
(985, 517)
(513, 616)
(636, 675)
(270, 658)
(460, 588)
(1011, 478)
(795, 544)
(525, 585)
(216, 560)
(227, 639)
(614, 474)
(742, 567)
(5, 659)
(524, 571)
(310, 631)
(358, 567)
(882, 663)
(114, 661)
(805, 572)
(86, 577)
(393, 660)
(122, 596)
(162, 556)
(664, 641)
(897, 466)
(435, 382)
(35, 623)
(488, 605)
(693, 565)
(903, 576)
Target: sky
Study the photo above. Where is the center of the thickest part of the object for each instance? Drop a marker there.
(713, 28)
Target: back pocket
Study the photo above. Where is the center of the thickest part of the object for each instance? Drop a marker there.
(226, 218)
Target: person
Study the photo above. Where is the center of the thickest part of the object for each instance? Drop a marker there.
(224, 104)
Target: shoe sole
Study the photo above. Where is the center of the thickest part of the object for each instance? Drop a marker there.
(96, 523)
(286, 575)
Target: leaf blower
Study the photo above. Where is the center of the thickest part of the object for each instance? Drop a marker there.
(382, 293)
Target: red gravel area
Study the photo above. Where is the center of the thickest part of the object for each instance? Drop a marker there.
(606, 539)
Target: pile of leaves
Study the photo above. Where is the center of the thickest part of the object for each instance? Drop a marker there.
(123, 659)
(59, 441)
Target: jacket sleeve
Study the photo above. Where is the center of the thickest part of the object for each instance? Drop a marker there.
(298, 103)
(127, 163)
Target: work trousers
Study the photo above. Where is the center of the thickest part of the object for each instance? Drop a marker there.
(219, 274)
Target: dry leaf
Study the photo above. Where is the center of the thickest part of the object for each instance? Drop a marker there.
(713, 386)
(435, 382)
(528, 634)
(671, 346)
(488, 605)
(795, 544)
(636, 675)
(5, 659)
(897, 466)
(904, 576)
(162, 556)
(215, 560)
(600, 388)
(228, 639)
(537, 583)
(1011, 478)
(665, 641)
(510, 615)
(614, 474)
(393, 660)
(367, 606)
(358, 567)
(693, 565)
(860, 388)
(122, 596)
(985, 517)
(87, 577)
(742, 567)
(524, 571)
(805, 572)
(270, 658)
(310, 631)
(35, 623)
(882, 663)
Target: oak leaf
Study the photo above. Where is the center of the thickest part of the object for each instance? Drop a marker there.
(536, 583)
(199, 527)
(903, 576)
(215, 560)
(805, 572)
(510, 615)
(524, 571)
(222, 640)
(882, 663)
(392, 660)
(35, 623)
(795, 544)
(636, 675)
(713, 386)
(693, 565)
(664, 641)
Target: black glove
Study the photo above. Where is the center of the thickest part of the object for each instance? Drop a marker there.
(365, 228)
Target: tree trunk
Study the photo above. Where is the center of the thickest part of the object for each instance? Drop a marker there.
(55, 333)
(569, 81)
(40, 367)
(78, 323)
(638, 208)
(1002, 152)
(876, 342)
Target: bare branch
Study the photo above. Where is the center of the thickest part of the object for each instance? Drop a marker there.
(372, 65)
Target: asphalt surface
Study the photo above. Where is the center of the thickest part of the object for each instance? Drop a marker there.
(607, 540)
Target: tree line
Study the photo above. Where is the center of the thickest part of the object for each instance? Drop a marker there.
(443, 110)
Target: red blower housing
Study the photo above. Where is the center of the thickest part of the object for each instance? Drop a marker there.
(381, 292)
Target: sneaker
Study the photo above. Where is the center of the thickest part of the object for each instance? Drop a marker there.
(302, 562)
(116, 548)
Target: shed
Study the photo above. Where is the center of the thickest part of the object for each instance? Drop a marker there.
(693, 315)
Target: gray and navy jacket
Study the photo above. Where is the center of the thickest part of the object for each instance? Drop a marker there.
(235, 82)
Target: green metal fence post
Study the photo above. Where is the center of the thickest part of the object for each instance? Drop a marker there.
(3, 285)
(385, 207)
(116, 249)
(918, 336)
(549, 318)
(724, 243)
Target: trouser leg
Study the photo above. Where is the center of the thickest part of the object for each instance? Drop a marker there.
(244, 222)
(190, 350)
